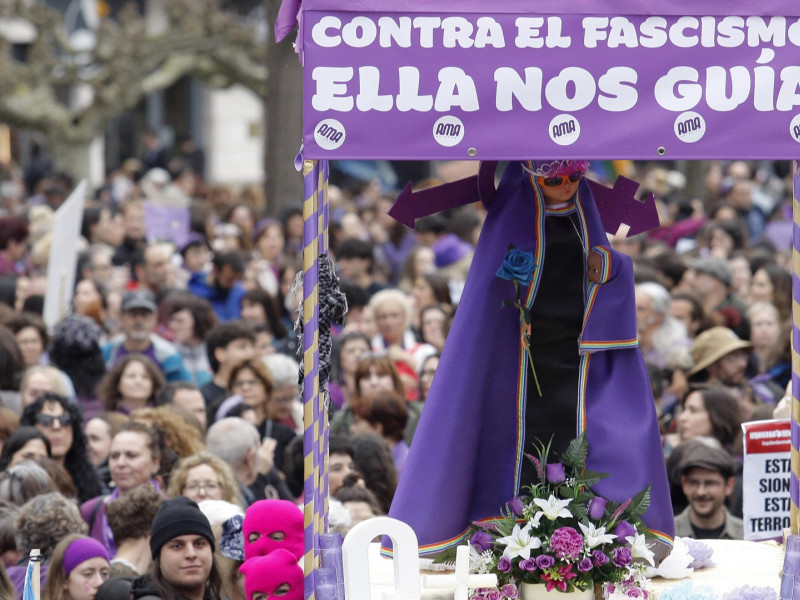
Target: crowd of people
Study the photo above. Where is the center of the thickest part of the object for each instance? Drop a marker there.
(142, 432)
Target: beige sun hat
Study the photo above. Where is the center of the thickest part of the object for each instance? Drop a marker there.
(713, 344)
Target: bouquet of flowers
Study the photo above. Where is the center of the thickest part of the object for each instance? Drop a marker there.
(563, 535)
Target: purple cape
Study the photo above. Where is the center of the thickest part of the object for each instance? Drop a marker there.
(467, 452)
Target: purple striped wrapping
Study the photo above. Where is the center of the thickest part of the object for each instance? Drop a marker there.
(795, 462)
(311, 413)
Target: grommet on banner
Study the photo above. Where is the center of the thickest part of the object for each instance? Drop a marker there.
(472, 152)
(661, 151)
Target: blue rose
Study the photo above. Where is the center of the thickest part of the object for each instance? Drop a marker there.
(518, 266)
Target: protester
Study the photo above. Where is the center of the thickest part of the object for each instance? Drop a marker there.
(78, 568)
(61, 421)
(130, 518)
(182, 546)
(134, 460)
(138, 319)
(204, 476)
(707, 480)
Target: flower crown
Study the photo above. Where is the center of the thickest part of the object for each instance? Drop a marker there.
(554, 168)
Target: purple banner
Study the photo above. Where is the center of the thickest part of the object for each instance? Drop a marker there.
(554, 7)
(498, 86)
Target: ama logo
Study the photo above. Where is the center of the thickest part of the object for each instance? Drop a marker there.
(448, 131)
(329, 134)
(690, 127)
(794, 128)
(564, 130)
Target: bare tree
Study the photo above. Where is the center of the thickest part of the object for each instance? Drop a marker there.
(70, 94)
(284, 187)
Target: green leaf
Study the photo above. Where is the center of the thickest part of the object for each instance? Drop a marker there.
(576, 453)
(448, 556)
(589, 478)
(580, 510)
(640, 502)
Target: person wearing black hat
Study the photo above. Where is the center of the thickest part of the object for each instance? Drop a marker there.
(707, 480)
(182, 546)
(138, 320)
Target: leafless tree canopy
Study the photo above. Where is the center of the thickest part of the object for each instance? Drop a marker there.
(128, 61)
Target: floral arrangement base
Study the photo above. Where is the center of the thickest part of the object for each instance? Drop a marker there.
(538, 591)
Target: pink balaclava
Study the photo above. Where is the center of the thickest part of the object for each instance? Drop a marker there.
(270, 525)
(267, 574)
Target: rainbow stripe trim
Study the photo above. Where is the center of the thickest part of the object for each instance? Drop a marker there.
(522, 367)
(434, 548)
(561, 211)
(662, 537)
(605, 253)
(583, 376)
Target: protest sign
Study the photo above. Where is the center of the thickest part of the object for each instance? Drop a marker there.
(63, 256)
(766, 498)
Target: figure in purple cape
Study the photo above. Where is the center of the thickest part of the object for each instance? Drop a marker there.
(501, 384)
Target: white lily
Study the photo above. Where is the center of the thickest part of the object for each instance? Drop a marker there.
(520, 542)
(639, 548)
(595, 536)
(552, 508)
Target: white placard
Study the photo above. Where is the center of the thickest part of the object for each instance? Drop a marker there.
(766, 497)
(63, 256)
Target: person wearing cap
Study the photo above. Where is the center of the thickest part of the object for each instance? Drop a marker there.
(78, 569)
(719, 357)
(710, 279)
(138, 319)
(707, 480)
(182, 546)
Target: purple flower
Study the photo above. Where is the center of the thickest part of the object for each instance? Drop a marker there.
(700, 553)
(476, 597)
(481, 540)
(516, 506)
(634, 592)
(544, 561)
(597, 508)
(494, 594)
(529, 564)
(599, 558)
(623, 530)
(585, 565)
(555, 473)
(566, 542)
(509, 590)
(504, 564)
(622, 557)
